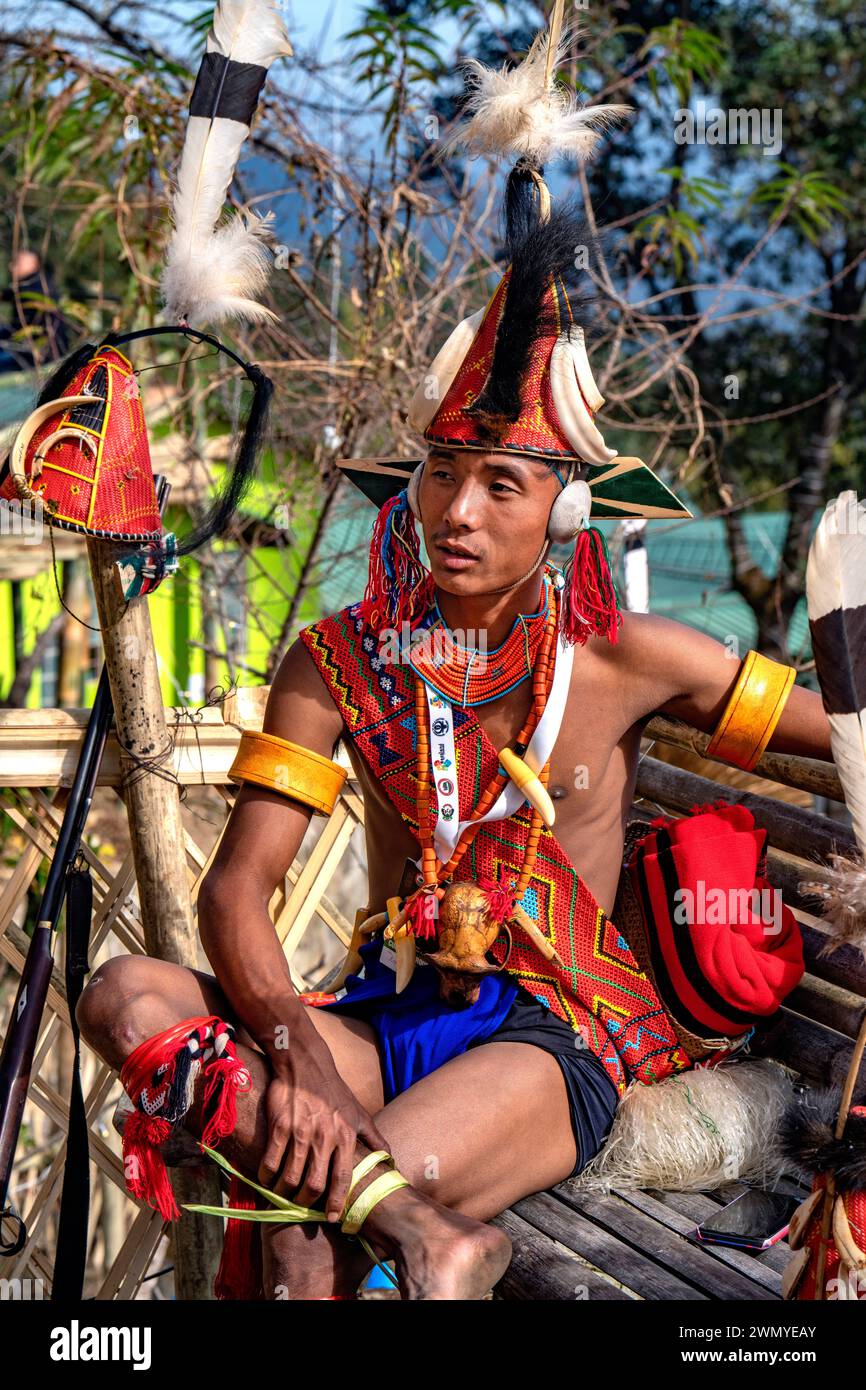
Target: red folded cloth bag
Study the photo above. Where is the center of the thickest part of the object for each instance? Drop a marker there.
(722, 956)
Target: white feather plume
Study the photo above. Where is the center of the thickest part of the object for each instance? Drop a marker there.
(514, 111)
(216, 270)
(836, 602)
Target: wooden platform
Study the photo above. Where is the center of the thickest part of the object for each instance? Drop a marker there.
(628, 1245)
(639, 1244)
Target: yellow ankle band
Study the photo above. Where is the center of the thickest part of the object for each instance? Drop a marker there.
(281, 766)
(360, 1170)
(752, 712)
(360, 1209)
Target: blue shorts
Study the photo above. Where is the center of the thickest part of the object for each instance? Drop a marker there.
(418, 1032)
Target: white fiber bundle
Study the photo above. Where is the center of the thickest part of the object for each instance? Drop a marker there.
(694, 1132)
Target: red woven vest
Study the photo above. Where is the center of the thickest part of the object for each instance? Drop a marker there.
(600, 991)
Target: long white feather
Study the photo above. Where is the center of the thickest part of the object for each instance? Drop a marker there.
(514, 112)
(216, 270)
(836, 602)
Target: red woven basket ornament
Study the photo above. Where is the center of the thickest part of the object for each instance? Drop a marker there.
(96, 477)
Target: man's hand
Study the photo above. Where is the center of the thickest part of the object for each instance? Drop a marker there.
(314, 1123)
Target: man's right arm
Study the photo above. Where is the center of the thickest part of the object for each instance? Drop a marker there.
(313, 1117)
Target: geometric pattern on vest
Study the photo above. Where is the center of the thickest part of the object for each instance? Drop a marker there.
(600, 990)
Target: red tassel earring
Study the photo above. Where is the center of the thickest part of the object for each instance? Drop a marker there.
(399, 587)
(590, 599)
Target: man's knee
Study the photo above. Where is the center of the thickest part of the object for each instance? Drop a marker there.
(121, 1007)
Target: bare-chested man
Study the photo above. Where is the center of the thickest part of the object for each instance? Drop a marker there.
(497, 1116)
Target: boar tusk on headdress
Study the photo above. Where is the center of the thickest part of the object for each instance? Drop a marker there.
(215, 272)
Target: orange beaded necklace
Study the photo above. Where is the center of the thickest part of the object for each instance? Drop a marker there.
(435, 874)
(473, 676)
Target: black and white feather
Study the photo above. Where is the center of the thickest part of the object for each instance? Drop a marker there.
(836, 599)
(215, 269)
(519, 112)
(807, 1138)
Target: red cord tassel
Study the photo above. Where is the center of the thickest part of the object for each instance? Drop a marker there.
(590, 601)
(226, 1076)
(422, 916)
(399, 588)
(500, 900)
(240, 1273)
(143, 1164)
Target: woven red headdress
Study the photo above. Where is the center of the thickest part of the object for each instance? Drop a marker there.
(515, 376)
(88, 460)
(83, 457)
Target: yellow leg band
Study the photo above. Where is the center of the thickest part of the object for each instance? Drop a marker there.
(752, 712)
(360, 1209)
(367, 1164)
(283, 1211)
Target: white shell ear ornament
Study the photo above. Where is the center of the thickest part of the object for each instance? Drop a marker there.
(570, 512)
(412, 491)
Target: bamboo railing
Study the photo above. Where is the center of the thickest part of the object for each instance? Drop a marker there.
(38, 751)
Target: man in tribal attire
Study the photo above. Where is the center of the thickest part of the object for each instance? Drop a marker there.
(492, 709)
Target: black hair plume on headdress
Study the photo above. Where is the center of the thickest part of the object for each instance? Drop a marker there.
(63, 374)
(536, 251)
(241, 472)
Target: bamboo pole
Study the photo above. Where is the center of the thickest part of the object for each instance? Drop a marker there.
(157, 838)
(806, 774)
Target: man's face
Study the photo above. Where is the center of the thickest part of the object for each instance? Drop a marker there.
(484, 516)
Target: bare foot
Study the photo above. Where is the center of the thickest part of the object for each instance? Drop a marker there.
(303, 1262)
(439, 1253)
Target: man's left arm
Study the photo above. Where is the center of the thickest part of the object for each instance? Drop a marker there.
(686, 674)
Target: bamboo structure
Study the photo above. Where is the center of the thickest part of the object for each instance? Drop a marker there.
(37, 757)
(156, 837)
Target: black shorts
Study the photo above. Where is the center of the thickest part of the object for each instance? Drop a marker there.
(592, 1096)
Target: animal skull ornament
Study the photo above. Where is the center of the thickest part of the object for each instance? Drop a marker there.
(468, 925)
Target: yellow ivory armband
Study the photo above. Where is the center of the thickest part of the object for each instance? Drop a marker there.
(285, 767)
(752, 712)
